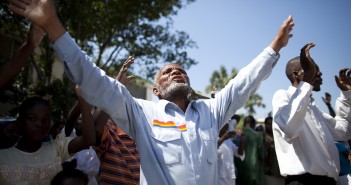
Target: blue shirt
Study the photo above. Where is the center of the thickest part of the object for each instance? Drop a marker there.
(176, 147)
(344, 152)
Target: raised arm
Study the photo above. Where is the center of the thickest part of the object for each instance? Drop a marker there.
(88, 128)
(233, 96)
(102, 117)
(327, 100)
(97, 87)
(289, 110)
(13, 67)
(340, 126)
(72, 117)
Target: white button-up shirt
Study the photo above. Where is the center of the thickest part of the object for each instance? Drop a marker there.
(176, 147)
(304, 135)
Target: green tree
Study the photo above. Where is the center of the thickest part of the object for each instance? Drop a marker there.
(221, 78)
(109, 31)
(254, 100)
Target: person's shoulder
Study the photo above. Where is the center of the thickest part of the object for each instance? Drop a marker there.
(6, 151)
(280, 93)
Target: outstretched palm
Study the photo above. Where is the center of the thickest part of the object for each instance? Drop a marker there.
(39, 12)
(307, 64)
(344, 79)
(122, 74)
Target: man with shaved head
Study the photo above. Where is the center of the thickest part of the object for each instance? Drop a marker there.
(304, 135)
(177, 136)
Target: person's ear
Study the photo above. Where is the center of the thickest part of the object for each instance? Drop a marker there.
(156, 91)
(295, 73)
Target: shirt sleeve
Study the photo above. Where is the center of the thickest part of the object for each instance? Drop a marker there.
(61, 144)
(340, 126)
(289, 110)
(97, 87)
(106, 138)
(235, 149)
(239, 89)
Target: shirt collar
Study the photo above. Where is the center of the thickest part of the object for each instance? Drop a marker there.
(291, 90)
(162, 104)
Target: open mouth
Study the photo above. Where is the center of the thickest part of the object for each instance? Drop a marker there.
(178, 79)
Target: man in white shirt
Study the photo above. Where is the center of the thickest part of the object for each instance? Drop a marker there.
(176, 137)
(304, 135)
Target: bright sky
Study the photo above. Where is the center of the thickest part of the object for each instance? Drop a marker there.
(231, 33)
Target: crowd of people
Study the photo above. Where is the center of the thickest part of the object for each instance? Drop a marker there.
(111, 137)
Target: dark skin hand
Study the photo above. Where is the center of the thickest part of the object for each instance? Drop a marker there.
(344, 79)
(327, 101)
(230, 134)
(121, 76)
(307, 64)
(327, 98)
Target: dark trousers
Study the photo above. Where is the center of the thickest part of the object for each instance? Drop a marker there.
(309, 179)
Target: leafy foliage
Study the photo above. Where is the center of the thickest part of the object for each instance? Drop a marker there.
(220, 78)
(109, 31)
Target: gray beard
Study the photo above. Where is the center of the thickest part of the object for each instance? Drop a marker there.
(175, 90)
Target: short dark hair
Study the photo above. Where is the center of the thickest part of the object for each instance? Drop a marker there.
(292, 65)
(236, 117)
(29, 103)
(70, 172)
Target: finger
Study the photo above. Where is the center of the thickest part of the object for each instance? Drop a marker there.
(20, 2)
(27, 2)
(337, 80)
(291, 26)
(309, 46)
(128, 62)
(342, 72)
(129, 78)
(17, 8)
(305, 50)
(288, 21)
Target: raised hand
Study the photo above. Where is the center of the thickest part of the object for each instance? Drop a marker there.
(122, 77)
(35, 36)
(38, 11)
(41, 13)
(344, 80)
(307, 63)
(283, 36)
(327, 98)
